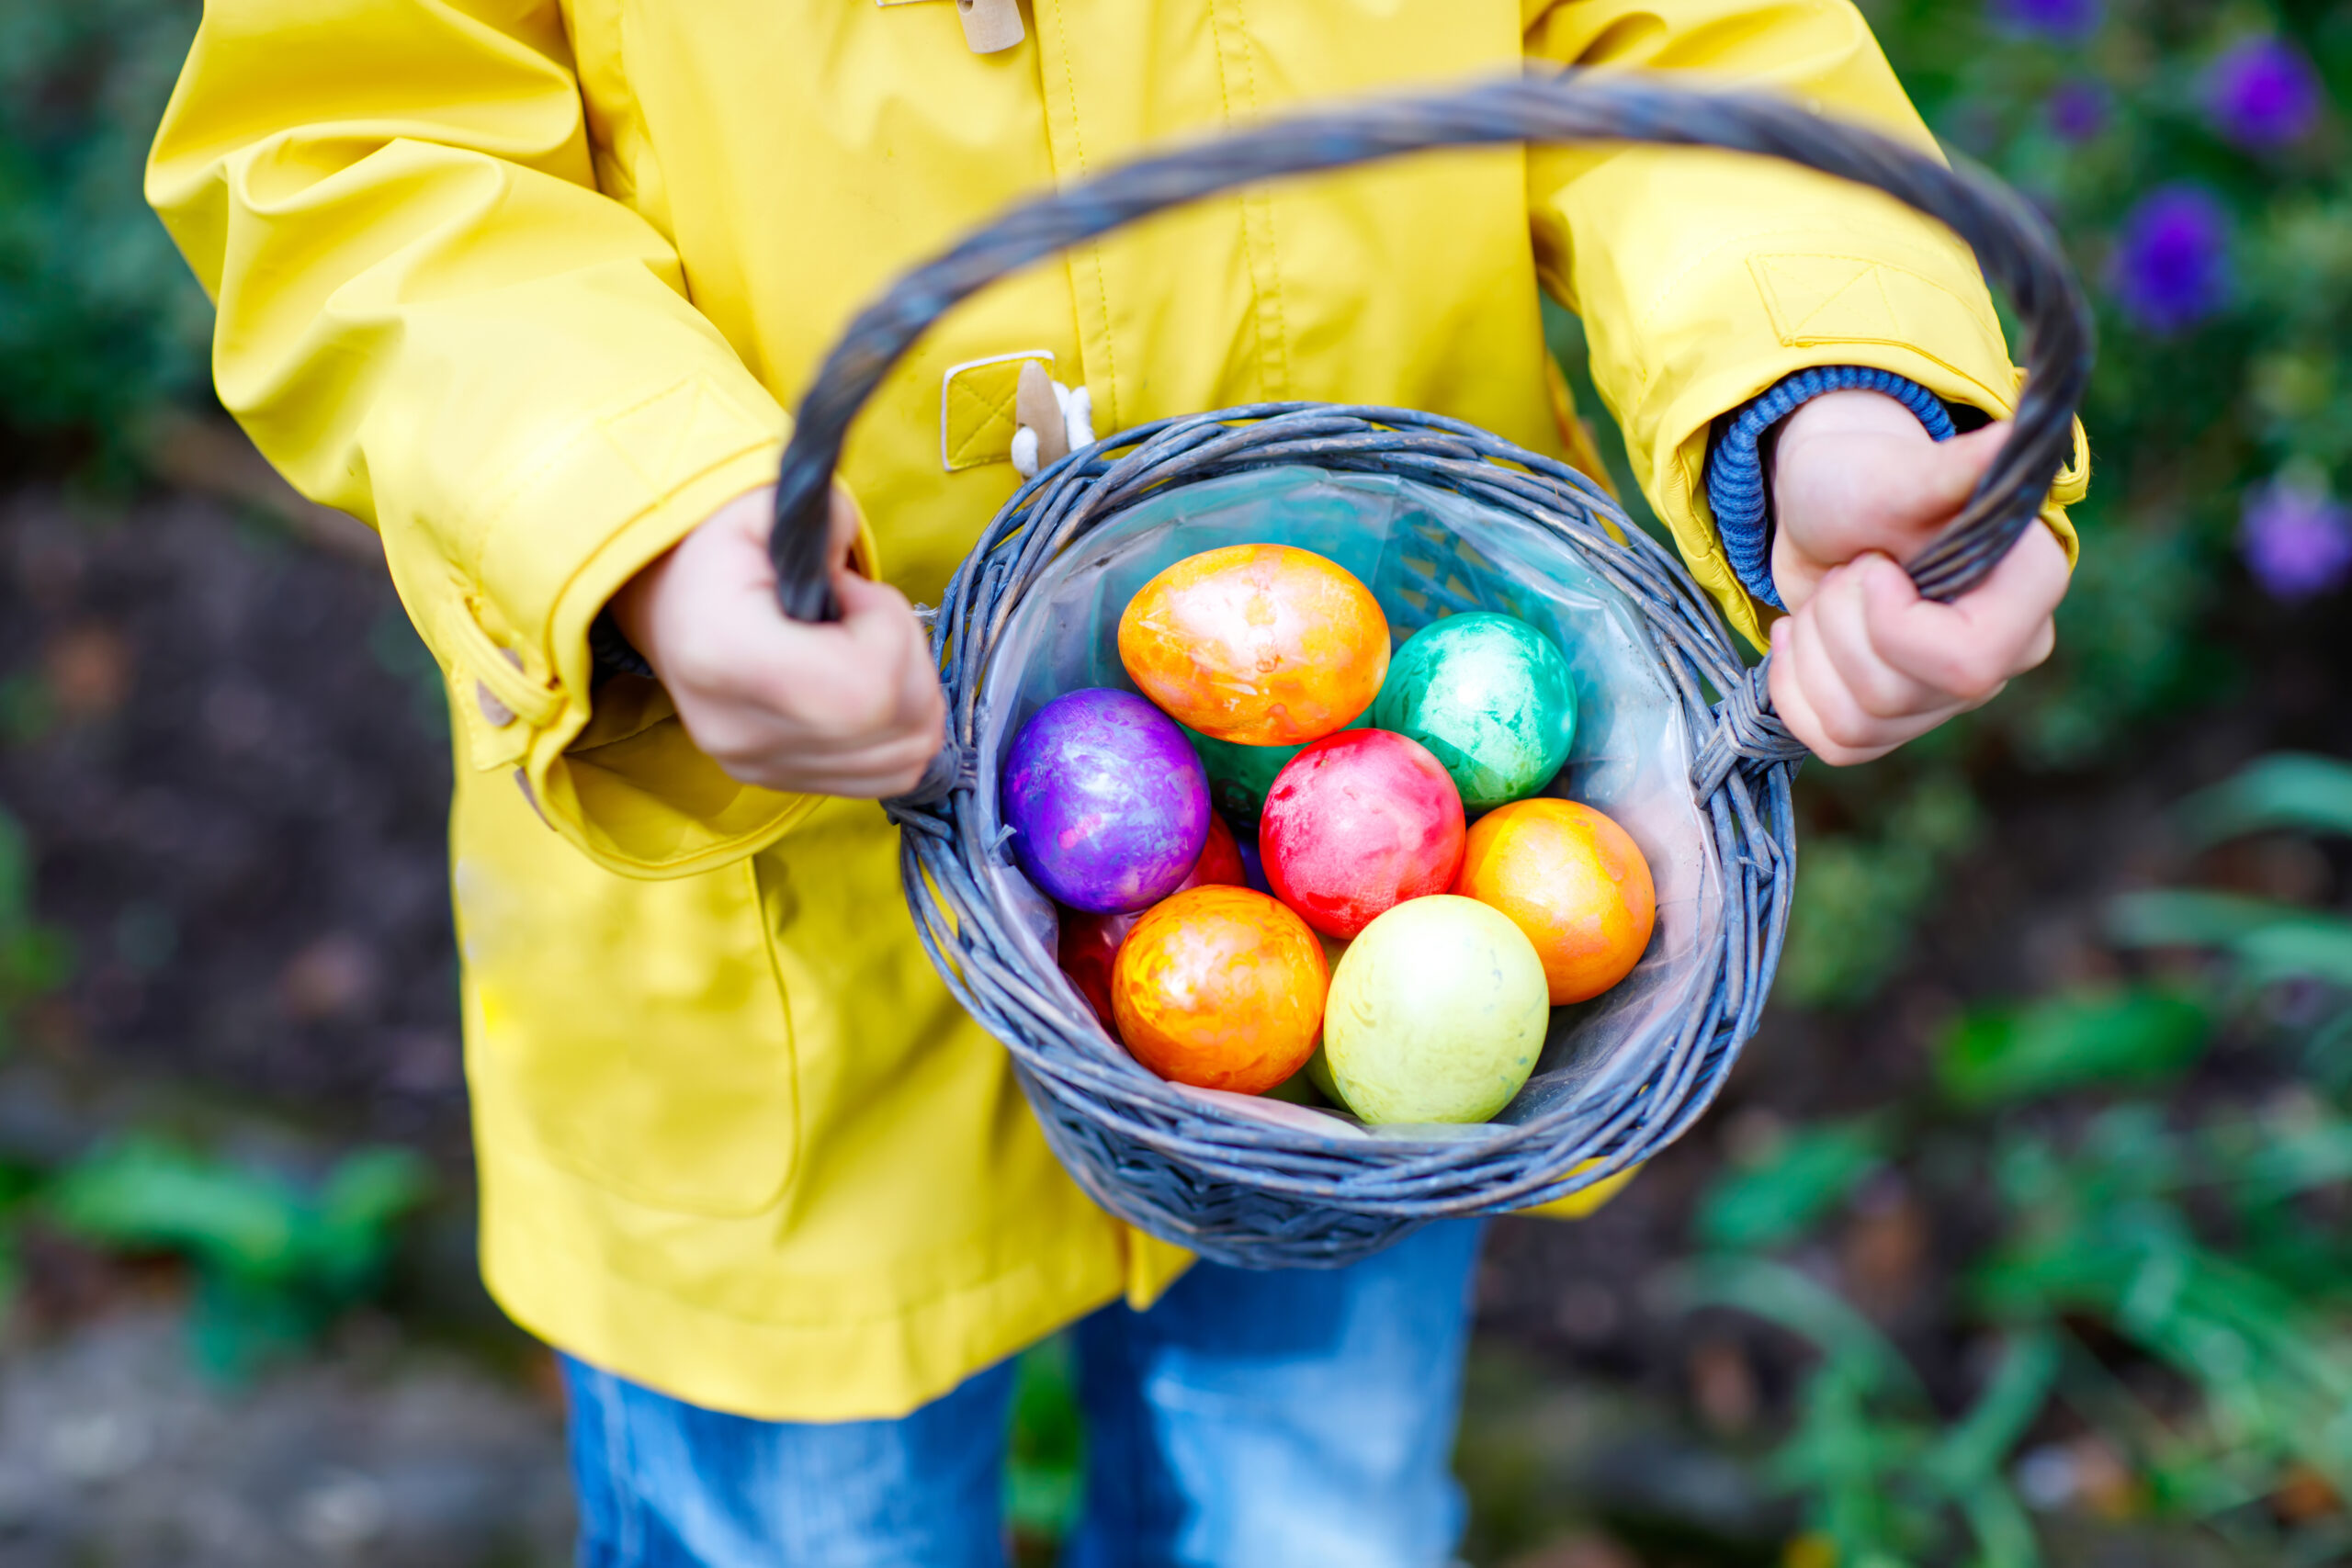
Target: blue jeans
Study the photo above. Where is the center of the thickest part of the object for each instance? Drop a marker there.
(1297, 1420)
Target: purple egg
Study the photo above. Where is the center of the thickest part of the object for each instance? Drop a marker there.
(1107, 801)
(1253, 866)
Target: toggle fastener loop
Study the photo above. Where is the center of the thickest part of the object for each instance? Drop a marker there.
(991, 26)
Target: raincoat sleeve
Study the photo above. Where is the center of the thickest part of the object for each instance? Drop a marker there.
(430, 317)
(1704, 278)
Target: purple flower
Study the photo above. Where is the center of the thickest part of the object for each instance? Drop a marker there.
(2077, 111)
(2171, 265)
(2298, 542)
(2065, 20)
(2261, 94)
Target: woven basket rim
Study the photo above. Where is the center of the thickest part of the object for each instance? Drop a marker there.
(1070, 1061)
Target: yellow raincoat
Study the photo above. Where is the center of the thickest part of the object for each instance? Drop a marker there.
(529, 287)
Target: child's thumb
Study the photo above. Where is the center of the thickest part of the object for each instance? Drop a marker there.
(1949, 471)
(877, 618)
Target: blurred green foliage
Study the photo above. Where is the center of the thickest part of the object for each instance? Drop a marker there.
(274, 1262)
(100, 322)
(35, 957)
(2128, 1036)
(1881, 1475)
(2089, 110)
(1787, 1189)
(2288, 791)
(1860, 892)
(2197, 1237)
(1044, 1476)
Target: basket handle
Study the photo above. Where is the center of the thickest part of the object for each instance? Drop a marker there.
(2012, 244)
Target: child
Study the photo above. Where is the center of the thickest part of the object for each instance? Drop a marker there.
(529, 286)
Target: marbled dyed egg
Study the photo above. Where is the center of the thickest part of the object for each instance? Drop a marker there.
(1087, 944)
(1436, 1013)
(1264, 645)
(1358, 822)
(1108, 806)
(1240, 776)
(1492, 699)
(1220, 988)
(1574, 881)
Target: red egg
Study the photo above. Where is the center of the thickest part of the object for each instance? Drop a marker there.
(1220, 863)
(1089, 943)
(1359, 822)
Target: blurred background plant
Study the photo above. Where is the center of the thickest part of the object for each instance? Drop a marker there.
(275, 1263)
(101, 327)
(2193, 159)
(2019, 1236)
(2158, 1290)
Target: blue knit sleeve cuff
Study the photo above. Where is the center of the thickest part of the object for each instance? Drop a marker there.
(1737, 487)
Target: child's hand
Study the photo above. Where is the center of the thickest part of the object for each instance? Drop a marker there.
(1863, 663)
(850, 708)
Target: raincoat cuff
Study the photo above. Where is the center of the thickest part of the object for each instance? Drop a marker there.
(1738, 487)
(1681, 491)
(625, 783)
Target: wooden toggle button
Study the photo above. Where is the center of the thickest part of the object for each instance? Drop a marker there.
(990, 24)
(1034, 405)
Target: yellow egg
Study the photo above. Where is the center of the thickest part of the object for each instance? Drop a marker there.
(1436, 1014)
(1262, 644)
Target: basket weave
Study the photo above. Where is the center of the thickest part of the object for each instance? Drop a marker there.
(1234, 1185)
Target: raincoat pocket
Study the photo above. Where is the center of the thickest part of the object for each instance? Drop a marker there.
(634, 1032)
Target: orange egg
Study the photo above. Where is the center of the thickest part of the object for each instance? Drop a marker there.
(1220, 988)
(1573, 881)
(1266, 645)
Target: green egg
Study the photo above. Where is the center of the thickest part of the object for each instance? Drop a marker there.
(1301, 1087)
(1318, 1073)
(1490, 696)
(1240, 776)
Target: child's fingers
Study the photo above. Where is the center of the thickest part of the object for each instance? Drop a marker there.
(808, 691)
(1969, 648)
(1842, 614)
(1843, 724)
(869, 774)
(842, 524)
(1793, 700)
(882, 625)
(1812, 697)
(1864, 707)
(1834, 690)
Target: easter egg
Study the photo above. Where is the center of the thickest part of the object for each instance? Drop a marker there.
(1108, 806)
(1572, 880)
(1087, 943)
(1266, 645)
(1358, 822)
(1318, 1073)
(1492, 699)
(1219, 864)
(1319, 1066)
(1253, 865)
(1437, 1013)
(1240, 776)
(1220, 988)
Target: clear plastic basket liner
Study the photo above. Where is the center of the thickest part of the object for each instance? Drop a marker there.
(1425, 553)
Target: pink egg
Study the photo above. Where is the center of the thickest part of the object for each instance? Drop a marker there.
(1359, 822)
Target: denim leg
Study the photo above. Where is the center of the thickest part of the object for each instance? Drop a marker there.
(1302, 1418)
(667, 1484)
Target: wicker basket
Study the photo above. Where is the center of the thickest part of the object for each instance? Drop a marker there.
(1258, 1183)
